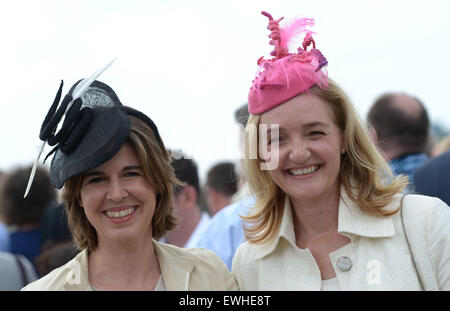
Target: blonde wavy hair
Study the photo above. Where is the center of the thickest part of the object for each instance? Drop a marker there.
(364, 173)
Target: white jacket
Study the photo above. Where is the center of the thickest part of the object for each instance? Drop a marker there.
(379, 255)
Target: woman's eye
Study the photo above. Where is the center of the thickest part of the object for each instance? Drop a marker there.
(316, 133)
(132, 174)
(273, 140)
(95, 180)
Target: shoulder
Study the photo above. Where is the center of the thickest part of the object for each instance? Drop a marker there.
(229, 216)
(9, 265)
(434, 169)
(425, 205)
(225, 221)
(199, 256)
(12, 278)
(210, 271)
(420, 204)
(421, 207)
(246, 256)
(426, 214)
(7, 259)
(246, 267)
(54, 280)
(57, 278)
(206, 258)
(207, 269)
(436, 161)
(247, 249)
(232, 211)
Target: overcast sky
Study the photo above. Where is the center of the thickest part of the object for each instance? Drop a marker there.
(189, 64)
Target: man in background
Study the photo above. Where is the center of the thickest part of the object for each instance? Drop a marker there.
(400, 128)
(221, 185)
(226, 232)
(433, 177)
(192, 220)
(23, 215)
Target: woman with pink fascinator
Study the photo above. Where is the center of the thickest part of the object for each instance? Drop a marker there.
(329, 214)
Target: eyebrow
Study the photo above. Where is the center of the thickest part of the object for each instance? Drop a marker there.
(93, 173)
(132, 167)
(314, 124)
(307, 125)
(126, 168)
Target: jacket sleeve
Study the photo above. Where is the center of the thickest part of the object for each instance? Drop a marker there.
(236, 268)
(438, 239)
(211, 273)
(222, 270)
(229, 280)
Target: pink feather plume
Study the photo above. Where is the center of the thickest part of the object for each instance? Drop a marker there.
(290, 31)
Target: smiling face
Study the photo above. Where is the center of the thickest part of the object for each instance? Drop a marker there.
(118, 200)
(310, 145)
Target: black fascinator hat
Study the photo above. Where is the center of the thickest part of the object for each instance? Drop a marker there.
(95, 127)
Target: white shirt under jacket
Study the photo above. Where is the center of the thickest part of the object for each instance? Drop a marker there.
(378, 251)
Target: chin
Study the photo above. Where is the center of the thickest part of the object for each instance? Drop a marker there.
(313, 192)
(304, 196)
(308, 192)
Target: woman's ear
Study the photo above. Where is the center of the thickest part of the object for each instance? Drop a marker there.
(373, 135)
(343, 148)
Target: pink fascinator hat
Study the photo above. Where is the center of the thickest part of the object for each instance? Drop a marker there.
(287, 74)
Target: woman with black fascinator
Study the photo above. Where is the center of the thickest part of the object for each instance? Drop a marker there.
(117, 184)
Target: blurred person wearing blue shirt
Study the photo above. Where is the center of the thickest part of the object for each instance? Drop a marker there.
(225, 231)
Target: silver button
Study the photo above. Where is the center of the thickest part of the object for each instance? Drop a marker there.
(344, 263)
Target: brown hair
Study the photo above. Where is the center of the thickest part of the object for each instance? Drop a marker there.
(155, 161)
(362, 169)
(18, 210)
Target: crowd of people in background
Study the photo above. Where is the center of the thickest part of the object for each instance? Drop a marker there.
(35, 237)
(34, 234)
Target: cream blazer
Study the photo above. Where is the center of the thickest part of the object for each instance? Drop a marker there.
(378, 257)
(181, 268)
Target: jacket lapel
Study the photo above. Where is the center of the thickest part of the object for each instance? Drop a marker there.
(78, 278)
(352, 220)
(175, 269)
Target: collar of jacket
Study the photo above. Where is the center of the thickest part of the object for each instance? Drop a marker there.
(78, 276)
(173, 264)
(352, 221)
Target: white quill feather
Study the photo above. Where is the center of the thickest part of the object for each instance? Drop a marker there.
(85, 83)
(77, 92)
(33, 171)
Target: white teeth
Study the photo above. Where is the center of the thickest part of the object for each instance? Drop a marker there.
(303, 171)
(121, 213)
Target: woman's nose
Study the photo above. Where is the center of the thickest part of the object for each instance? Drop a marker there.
(299, 151)
(116, 191)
